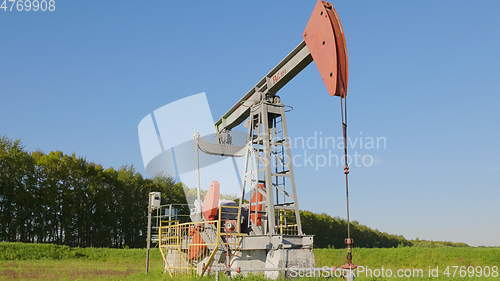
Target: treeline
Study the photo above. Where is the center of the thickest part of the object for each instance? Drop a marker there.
(64, 199)
(435, 244)
(330, 232)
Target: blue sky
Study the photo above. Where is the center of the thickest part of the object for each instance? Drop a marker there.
(423, 74)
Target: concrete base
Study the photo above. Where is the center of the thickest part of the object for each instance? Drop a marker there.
(286, 258)
(262, 254)
(267, 255)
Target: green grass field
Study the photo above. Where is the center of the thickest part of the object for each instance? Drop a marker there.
(49, 262)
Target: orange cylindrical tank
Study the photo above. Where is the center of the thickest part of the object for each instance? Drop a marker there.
(197, 246)
(210, 206)
(256, 205)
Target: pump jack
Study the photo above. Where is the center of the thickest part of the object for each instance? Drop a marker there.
(253, 234)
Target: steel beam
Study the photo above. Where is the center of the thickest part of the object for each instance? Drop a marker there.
(270, 84)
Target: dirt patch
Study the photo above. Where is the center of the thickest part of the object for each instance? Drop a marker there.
(10, 274)
(100, 273)
(36, 272)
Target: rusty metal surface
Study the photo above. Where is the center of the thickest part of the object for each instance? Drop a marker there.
(325, 39)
